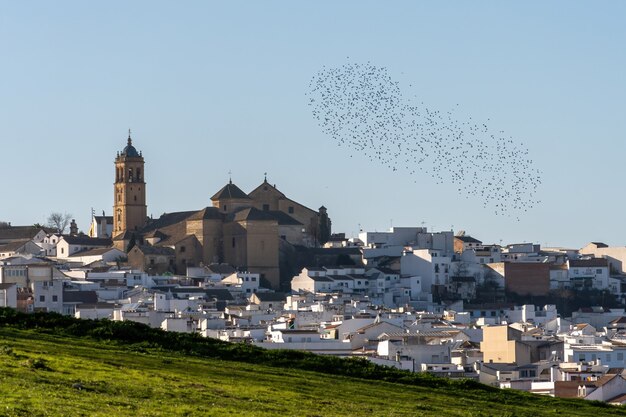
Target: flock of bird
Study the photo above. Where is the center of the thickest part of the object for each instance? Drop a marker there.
(362, 107)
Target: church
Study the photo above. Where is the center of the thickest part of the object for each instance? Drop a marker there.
(247, 231)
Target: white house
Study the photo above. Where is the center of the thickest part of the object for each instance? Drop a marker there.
(589, 273)
(70, 245)
(246, 281)
(431, 265)
(89, 256)
(8, 295)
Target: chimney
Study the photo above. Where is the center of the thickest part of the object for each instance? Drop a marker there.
(73, 228)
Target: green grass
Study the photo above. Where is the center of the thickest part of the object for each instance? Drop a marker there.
(48, 374)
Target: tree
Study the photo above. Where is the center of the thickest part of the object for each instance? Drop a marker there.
(59, 221)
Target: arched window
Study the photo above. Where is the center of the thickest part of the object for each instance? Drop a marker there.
(139, 174)
(130, 175)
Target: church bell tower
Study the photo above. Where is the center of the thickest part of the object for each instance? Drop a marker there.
(129, 208)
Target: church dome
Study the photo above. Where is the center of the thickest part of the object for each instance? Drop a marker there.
(130, 150)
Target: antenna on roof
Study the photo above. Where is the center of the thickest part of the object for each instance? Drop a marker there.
(265, 174)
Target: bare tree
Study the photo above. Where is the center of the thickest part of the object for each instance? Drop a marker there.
(59, 221)
(4, 225)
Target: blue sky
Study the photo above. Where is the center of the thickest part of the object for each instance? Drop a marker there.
(209, 88)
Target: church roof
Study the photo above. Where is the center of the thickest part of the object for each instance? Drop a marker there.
(251, 213)
(207, 213)
(167, 219)
(284, 219)
(266, 186)
(230, 190)
(130, 150)
(155, 233)
(156, 250)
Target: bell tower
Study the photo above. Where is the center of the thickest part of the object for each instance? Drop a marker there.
(129, 208)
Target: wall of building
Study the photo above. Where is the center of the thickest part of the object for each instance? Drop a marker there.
(497, 346)
(527, 278)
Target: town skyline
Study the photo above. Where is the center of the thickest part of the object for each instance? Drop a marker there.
(202, 103)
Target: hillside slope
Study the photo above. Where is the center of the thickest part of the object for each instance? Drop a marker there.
(43, 373)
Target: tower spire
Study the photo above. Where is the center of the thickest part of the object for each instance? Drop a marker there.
(130, 141)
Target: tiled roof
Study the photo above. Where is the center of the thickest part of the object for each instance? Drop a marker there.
(284, 219)
(13, 246)
(207, 213)
(156, 250)
(588, 263)
(229, 191)
(87, 241)
(168, 219)
(19, 232)
(221, 269)
(92, 252)
(251, 214)
(270, 296)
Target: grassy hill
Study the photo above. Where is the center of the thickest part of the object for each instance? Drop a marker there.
(56, 366)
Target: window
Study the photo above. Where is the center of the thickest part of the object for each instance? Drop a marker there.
(290, 209)
(266, 207)
(42, 298)
(55, 298)
(62, 250)
(152, 261)
(182, 249)
(233, 242)
(598, 271)
(620, 356)
(224, 207)
(581, 357)
(253, 279)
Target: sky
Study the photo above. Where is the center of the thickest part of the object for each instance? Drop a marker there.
(210, 88)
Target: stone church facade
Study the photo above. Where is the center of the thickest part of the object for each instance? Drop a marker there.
(243, 230)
